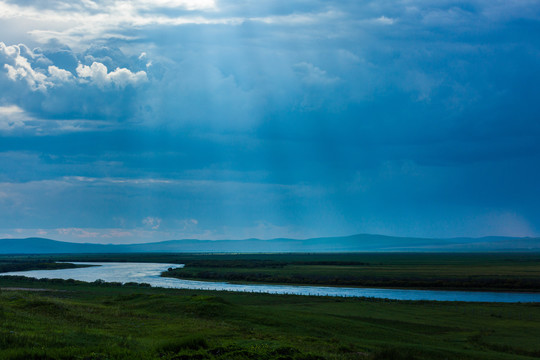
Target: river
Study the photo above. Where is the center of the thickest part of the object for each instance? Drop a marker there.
(150, 273)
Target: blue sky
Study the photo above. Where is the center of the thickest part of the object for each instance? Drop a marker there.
(132, 121)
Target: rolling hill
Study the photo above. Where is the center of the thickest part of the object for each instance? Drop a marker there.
(354, 243)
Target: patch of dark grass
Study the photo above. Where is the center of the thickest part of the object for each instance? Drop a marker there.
(206, 306)
(479, 339)
(391, 353)
(238, 352)
(11, 339)
(185, 343)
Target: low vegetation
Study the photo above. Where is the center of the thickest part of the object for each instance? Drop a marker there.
(456, 271)
(68, 319)
(11, 265)
(508, 272)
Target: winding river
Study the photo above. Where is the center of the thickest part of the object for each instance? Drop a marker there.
(150, 273)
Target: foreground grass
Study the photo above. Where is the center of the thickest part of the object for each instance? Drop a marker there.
(73, 320)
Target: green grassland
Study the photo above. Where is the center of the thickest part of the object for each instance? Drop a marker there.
(508, 272)
(74, 320)
(9, 264)
(488, 271)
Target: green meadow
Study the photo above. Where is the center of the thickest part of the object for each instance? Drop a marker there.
(67, 319)
(72, 320)
(473, 271)
(489, 271)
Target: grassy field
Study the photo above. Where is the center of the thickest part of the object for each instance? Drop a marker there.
(490, 271)
(8, 265)
(72, 320)
(510, 272)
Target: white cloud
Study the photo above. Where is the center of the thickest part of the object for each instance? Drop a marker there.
(297, 19)
(11, 118)
(90, 4)
(383, 20)
(18, 67)
(123, 77)
(186, 4)
(78, 232)
(312, 75)
(105, 181)
(152, 222)
(57, 74)
(78, 24)
(98, 74)
(187, 225)
(73, 23)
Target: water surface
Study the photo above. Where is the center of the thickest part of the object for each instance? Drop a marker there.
(150, 273)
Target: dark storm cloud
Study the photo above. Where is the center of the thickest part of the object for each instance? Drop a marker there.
(333, 116)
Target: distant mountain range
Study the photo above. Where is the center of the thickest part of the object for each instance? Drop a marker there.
(354, 243)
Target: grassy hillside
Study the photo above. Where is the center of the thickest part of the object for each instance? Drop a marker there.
(101, 321)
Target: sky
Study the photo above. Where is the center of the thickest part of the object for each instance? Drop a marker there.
(148, 120)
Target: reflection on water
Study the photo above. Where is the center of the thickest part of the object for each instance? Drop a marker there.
(150, 273)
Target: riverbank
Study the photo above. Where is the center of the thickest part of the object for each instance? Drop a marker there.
(13, 264)
(514, 272)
